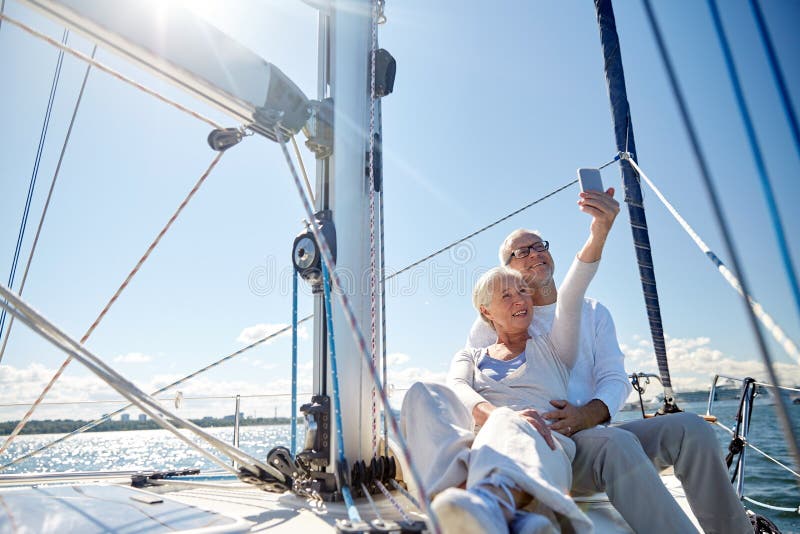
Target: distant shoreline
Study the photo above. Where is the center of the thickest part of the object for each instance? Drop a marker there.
(61, 426)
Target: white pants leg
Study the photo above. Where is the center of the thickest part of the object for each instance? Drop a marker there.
(439, 432)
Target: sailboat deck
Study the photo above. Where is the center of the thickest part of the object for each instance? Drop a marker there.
(220, 507)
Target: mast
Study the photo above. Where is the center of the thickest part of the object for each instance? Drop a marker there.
(349, 202)
(623, 134)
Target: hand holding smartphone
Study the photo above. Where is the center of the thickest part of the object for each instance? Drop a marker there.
(590, 180)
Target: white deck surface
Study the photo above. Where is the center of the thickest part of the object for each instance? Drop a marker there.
(218, 507)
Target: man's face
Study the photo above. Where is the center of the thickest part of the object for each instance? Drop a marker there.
(537, 267)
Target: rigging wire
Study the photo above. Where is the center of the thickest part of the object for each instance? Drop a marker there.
(480, 230)
(35, 173)
(327, 259)
(777, 73)
(279, 332)
(768, 322)
(47, 201)
(780, 406)
(150, 406)
(268, 337)
(178, 382)
(109, 70)
(113, 299)
(766, 185)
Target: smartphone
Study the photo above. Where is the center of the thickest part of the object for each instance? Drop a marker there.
(590, 180)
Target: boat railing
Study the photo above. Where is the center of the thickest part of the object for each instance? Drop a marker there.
(178, 400)
(740, 432)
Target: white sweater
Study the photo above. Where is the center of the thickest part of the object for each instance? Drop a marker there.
(599, 372)
(549, 357)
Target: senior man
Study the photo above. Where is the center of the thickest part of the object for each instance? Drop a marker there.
(623, 461)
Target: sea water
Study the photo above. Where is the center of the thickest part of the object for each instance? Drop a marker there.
(160, 450)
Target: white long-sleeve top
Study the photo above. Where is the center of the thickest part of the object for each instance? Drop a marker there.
(549, 356)
(599, 371)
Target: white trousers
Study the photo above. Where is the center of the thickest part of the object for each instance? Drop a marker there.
(447, 452)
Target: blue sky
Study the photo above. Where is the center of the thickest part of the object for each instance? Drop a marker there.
(493, 107)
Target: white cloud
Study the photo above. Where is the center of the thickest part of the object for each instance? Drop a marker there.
(133, 357)
(251, 334)
(693, 362)
(396, 358)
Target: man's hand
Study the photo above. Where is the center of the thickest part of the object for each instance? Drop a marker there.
(570, 419)
(536, 421)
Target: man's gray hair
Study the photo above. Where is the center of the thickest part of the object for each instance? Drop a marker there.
(505, 247)
(482, 292)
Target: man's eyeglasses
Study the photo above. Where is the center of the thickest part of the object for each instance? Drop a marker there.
(524, 252)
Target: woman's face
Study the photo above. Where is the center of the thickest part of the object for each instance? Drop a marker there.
(511, 308)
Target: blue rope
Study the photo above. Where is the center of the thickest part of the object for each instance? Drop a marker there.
(711, 191)
(757, 156)
(352, 512)
(777, 74)
(34, 174)
(294, 362)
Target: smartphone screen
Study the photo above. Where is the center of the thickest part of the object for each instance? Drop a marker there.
(590, 180)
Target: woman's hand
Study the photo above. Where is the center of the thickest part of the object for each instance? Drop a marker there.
(603, 209)
(536, 421)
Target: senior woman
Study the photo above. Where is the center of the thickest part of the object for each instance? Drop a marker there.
(483, 431)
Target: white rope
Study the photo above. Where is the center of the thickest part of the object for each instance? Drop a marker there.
(768, 322)
(150, 406)
(795, 510)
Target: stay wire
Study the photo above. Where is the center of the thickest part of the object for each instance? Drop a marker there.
(109, 70)
(766, 185)
(113, 299)
(479, 230)
(766, 319)
(35, 173)
(700, 159)
(178, 382)
(777, 74)
(47, 201)
(150, 406)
